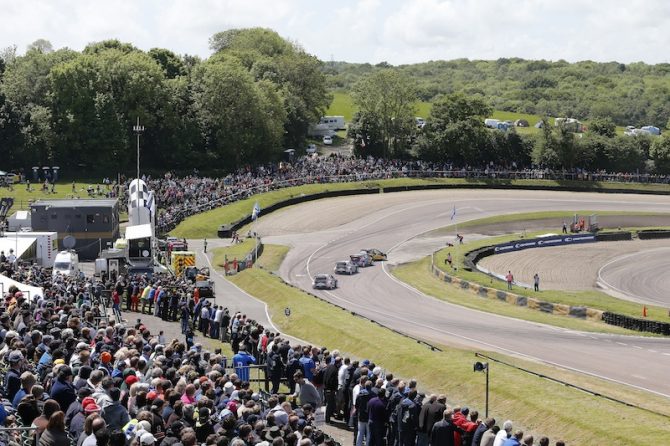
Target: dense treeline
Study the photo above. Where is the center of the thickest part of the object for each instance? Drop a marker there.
(454, 133)
(630, 94)
(254, 96)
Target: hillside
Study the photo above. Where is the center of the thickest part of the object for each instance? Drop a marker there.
(634, 94)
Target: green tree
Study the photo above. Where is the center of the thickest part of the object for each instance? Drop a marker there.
(171, 64)
(387, 101)
(296, 76)
(455, 131)
(603, 127)
(242, 121)
(660, 154)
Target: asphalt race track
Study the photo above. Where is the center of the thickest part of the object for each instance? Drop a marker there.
(324, 231)
(641, 276)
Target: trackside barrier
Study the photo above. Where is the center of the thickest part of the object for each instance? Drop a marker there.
(635, 324)
(648, 234)
(614, 236)
(513, 298)
(581, 312)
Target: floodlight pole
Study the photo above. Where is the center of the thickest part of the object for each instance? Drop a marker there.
(138, 129)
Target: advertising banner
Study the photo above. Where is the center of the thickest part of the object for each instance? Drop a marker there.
(543, 242)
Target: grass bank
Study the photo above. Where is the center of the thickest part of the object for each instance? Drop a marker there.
(590, 298)
(535, 405)
(23, 197)
(206, 224)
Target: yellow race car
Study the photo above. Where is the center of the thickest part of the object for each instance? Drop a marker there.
(376, 254)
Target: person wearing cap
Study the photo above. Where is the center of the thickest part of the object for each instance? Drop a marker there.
(13, 375)
(62, 390)
(408, 419)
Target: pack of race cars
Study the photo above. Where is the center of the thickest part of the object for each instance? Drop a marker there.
(362, 259)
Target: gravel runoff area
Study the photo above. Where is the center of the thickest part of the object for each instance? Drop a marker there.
(566, 268)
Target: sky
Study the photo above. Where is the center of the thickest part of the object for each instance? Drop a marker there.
(395, 31)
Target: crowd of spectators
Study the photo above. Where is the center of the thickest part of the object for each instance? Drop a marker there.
(77, 376)
(180, 197)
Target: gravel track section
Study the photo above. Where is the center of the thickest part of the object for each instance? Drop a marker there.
(570, 267)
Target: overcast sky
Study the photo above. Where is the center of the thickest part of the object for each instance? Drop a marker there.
(396, 31)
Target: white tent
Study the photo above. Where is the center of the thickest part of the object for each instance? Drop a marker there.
(20, 245)
(31, 291)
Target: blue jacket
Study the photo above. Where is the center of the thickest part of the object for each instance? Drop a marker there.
(63, 392)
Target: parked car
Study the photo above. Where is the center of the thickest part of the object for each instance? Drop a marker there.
(324, 281)
(346, 267)
(376, 254)
(311, 149)
(362, 259)
(328, 140)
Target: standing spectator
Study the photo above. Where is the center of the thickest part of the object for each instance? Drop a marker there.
(115, 415)
(63, 390)
(378, 417)
(307, 393)
(442, 433)
(536, 282)
(308, 364)
(514, 440)
(408, 419)
(431, 413)
(275, 367)
(330, 385)
(54, 434)
(241, 361)
(510, 279)
(481, 429)
(503, 434)
(361, 410)
(13, 375)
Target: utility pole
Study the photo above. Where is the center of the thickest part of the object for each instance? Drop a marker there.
(138, 129)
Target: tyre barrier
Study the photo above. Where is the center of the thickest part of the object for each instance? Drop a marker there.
(226, 230)
(649, 234)
(614, 236)
(532, 303)
(636, 324)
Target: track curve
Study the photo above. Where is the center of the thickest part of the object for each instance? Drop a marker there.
(642, 276)
(323, 232)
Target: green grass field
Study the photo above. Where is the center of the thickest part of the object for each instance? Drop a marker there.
(23, 197)
(535, 405)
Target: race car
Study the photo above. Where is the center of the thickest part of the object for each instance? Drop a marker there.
(324, 281)
(346, 267)
(376, 254)
(362, 259)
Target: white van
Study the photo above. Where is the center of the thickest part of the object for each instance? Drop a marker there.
(66, 264)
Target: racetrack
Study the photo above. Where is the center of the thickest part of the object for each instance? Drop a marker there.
(641, 276)
(576, 267)
(325, 231)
